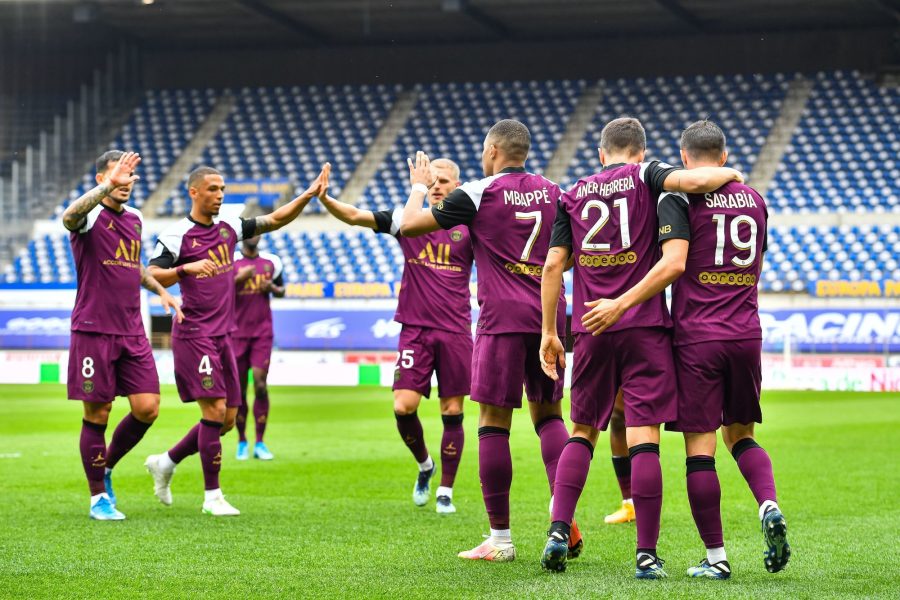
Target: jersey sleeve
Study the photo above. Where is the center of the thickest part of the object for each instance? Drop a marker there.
(562, 228)
(654, 174)
(162, 257)
(277, 266)
(247, 229)
(458, 208)
(674, 219)
(243, 228)
(388, 221)
(87, 221)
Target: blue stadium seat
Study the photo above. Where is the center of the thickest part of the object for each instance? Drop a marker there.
(843, 155)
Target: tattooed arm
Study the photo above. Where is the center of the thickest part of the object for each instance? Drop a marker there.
(169, 303)
(290, 211)
(75, 213)
(121, 175)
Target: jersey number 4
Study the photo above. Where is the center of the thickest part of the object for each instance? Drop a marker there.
(736, 241)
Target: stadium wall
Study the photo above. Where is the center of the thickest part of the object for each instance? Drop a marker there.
(330, 341)
(664, 55)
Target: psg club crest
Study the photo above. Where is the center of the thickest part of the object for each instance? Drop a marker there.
(137, 228)
(207, 382)
(87, 386)
(267, 268)
(456, 235)
(396, 375)
(224, 233)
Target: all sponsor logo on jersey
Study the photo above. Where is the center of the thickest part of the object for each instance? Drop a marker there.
(435, 257)
(130, 251)
(128, 254)
(223, 259)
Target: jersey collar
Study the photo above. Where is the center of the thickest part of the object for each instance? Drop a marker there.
(191, 219)
(613, 166)
(513, 170)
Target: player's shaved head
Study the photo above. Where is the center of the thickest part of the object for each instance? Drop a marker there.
(623, 135)
(703, 140)
(512, 138)
(110, 156)
(197, 176)
(446, 163)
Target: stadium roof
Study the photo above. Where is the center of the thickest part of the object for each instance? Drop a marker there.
(237, 23)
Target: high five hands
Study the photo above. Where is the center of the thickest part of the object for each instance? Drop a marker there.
(420, 170)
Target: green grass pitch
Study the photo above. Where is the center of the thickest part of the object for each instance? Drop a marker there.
(332, 515)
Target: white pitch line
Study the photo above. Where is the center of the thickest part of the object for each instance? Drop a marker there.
(11, 455)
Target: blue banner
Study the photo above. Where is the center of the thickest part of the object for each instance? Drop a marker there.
(336, 330)
(806, 330)
(265, 192)
(34, 329)
(831, 330)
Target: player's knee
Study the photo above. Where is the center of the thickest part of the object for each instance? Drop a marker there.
(402, 409)
(260, 388)
(405, 403)
(451, 407)
(97, 412)
(732, 434)
(585, 432)
(146, 413)
(228, 424)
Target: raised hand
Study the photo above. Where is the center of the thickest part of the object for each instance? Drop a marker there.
(604, 313)
(320, 183)
(420, 171)
(204, 267)
(323, 190)
(552, 351)
(122, 173)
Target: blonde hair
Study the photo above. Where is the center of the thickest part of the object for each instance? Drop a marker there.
(446, 163)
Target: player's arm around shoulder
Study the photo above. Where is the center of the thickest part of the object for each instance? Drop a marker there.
(700, 180)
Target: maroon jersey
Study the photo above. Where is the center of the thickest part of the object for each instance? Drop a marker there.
(509, 216)
(716, 297)
(107, 251)
(434, 290)
(207, 302)
(253, 315)
(609, 221)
